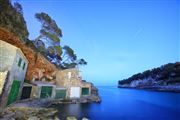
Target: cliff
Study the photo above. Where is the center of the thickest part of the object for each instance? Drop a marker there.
(164, 78)
(39, 67)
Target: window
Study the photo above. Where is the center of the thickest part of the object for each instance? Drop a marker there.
(19, 63)
(24, 65)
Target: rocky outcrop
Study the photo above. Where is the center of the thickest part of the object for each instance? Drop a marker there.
(32, 109)
(164, 78)
(38, 66)
(29, 113)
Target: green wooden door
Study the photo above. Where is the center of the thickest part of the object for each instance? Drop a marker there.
(85, 91)
(60, 94)
(46, 91)
(13, 92)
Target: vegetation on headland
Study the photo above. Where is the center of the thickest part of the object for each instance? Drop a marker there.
(166, 75)
(48, 41)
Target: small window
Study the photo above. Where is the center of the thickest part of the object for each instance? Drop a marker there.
(19, 63)
(24, 65)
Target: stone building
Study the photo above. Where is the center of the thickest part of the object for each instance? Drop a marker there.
(13, 66)
(43, 90)
(72, 81)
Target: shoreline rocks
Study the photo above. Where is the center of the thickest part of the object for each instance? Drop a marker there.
(165, 78)
(28, 113)
(175, 89)
(87, 99)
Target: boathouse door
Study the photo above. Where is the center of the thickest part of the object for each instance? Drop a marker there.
(60, 94)
(26, 92)
(75, 92)
(85, 91)
(13, 92)
(46, 91)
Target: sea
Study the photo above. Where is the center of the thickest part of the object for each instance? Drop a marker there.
(125, 104)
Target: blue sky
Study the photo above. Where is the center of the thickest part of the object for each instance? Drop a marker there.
(117, 38)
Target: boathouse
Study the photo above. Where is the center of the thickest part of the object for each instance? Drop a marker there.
(72, 80)
(13, 66)
(43, 90)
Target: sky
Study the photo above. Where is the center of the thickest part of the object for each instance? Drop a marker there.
(118, 38)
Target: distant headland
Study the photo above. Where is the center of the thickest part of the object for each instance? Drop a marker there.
(164, 78)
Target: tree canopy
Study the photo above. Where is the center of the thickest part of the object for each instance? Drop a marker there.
(49, 28)
(69, 59)
(50, 34)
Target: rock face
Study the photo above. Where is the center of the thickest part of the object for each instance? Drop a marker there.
(38, 66)
(164, 78)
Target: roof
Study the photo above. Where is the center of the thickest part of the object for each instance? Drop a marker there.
(60, 88)
(27, 84)
(40, 83)
(70, 69)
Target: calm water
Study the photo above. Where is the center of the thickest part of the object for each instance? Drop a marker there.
(127, 104)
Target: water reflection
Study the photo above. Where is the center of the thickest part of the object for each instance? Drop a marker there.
(77, 110)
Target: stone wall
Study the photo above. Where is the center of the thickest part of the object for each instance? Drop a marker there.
(68, 77)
